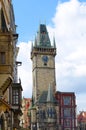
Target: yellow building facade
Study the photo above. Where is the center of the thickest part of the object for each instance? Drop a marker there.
(10, 88)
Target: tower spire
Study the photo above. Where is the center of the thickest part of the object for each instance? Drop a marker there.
(43, 37)
(31, 46)
(35, 43)
(50, 94)
(54, 43)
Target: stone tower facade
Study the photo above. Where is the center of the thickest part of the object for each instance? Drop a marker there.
(43, 63)
(44, 109)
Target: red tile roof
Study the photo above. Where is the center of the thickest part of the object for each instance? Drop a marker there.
(81, 117)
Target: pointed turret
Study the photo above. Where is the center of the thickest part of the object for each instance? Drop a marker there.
(50, 96)
(54, 43)
(35, 42)
(31, 46)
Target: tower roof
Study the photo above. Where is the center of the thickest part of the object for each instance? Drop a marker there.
(42, 39)
(42, 44)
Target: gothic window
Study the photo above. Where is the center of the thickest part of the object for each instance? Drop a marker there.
(15, 96)
(44, 116)
(51, 113)
(40, 114)
(2, 58)
(48, 112)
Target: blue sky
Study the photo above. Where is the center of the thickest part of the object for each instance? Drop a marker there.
(29, 14)
(66, 20)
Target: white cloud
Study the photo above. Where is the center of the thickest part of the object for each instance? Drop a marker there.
(25, 71)
(70, 30)
(70, 33)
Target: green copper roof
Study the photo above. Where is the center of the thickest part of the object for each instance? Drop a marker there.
(42, 39)
(43, 97)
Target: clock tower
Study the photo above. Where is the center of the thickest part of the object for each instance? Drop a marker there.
(43, 63)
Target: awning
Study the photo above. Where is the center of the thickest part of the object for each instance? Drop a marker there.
(5, 81)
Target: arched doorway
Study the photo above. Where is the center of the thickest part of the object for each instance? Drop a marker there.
(2, 124)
